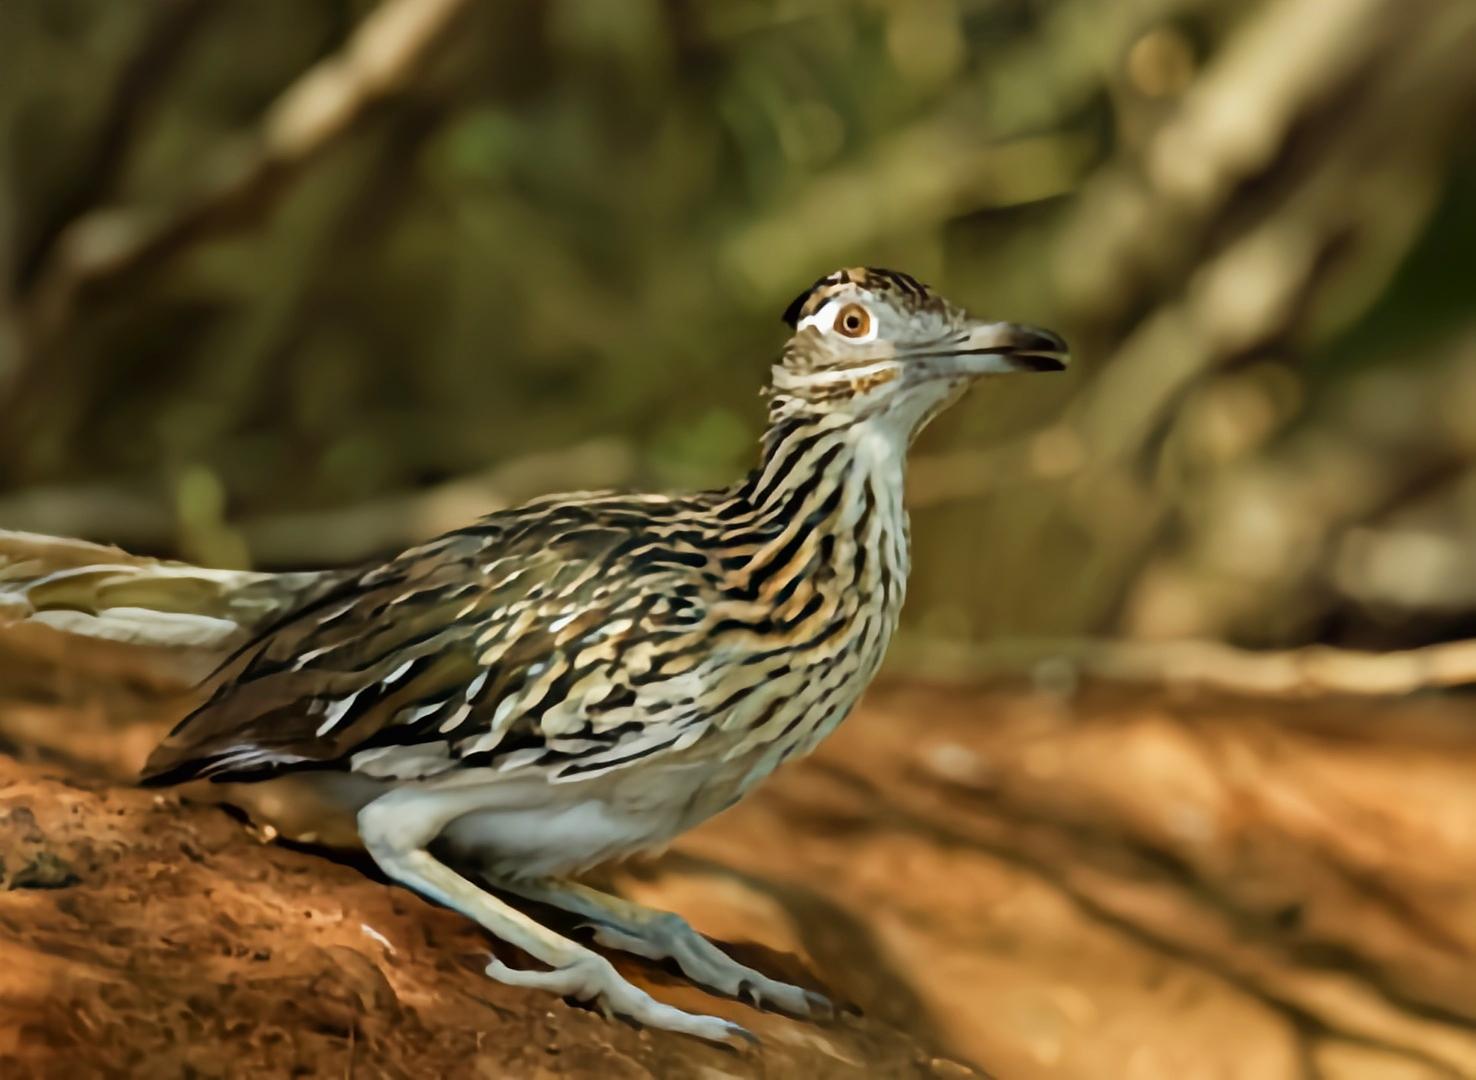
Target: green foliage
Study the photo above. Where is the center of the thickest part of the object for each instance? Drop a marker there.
(581, 219)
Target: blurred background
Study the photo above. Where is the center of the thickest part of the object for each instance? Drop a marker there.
(294, 283)
(290, 284)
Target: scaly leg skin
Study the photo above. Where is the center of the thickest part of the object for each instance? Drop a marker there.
(660, 935)
(397, 842)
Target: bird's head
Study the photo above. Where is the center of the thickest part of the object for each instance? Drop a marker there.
(870, 342)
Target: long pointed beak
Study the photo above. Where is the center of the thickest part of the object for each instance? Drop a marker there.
(999, 348)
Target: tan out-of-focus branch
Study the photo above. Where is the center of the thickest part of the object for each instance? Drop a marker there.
(104, 245)
(163, 42)
(1147, 213)
(1363, 501)
(328, 537)
(979, 148)
(336, 537)
(1262, 283)
(1293, 673)
(1214, 269)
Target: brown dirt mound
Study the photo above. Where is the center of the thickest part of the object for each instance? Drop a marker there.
(1111, 884)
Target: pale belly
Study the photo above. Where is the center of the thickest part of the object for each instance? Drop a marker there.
(515, 827)
(569, 828)
(573, 827)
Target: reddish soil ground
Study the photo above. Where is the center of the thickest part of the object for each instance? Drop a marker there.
(1114, 883)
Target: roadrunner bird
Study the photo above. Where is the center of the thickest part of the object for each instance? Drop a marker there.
(579, 678)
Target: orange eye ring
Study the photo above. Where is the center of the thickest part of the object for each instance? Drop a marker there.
(853, 321)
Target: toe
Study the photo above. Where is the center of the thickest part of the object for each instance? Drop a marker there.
(631, 1002)
(819, 1005)
(738, 1036)
(716, 1029)
(544, 980)
(762, 993)
(594, 979)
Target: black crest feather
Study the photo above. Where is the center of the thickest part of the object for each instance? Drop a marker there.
(873, 277)
(797, 305)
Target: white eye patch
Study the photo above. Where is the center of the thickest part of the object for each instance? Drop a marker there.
(824, 321)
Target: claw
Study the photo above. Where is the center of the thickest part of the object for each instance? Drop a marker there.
(591, 978)
(820, 1005)
(749, 1041)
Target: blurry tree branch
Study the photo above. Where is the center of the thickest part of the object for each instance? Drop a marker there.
(1276, 533)
(940, 168)
(1140, 221)
(1416, 84)
(921, 177)
(162, 44)
(1239, 210)
(327, 537)
(1311, 671)
(385, 525)
(106, 245)
(1257, 213)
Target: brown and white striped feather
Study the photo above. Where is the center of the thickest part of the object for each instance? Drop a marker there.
(574, 638)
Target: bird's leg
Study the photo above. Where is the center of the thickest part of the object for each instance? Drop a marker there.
(396, 833)
(661, 935)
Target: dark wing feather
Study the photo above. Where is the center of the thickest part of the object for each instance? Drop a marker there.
(424, 651)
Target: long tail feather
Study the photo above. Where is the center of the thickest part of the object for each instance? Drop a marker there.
(89, 590)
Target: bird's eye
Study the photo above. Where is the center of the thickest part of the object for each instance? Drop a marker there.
(853, 321)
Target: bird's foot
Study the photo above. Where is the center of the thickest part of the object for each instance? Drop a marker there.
(592, 978)
(670, 937)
